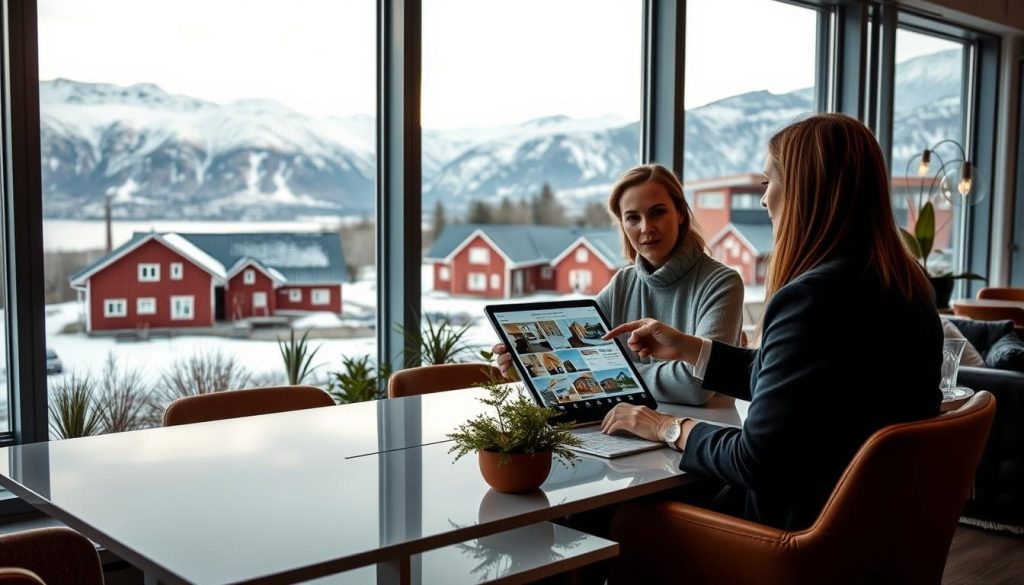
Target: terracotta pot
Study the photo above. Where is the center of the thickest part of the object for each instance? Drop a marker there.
(520, 474)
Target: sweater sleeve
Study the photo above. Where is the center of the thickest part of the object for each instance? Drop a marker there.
(773, 435)
(719, 318)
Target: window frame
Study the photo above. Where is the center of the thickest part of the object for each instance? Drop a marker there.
(138, 306)
(177, 315)
(249, 276)
(144, 267)
(177, 270)
(110, 314)
(320, 296)
(479, 255)
(295, 295)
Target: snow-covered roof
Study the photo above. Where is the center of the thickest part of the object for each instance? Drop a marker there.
(526, 244)
(244, 261)
(189, 250)
(171, 241)
(758, 235)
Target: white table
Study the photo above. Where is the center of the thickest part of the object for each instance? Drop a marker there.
(299, 495)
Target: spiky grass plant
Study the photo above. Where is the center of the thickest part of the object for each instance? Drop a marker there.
(123, 398)
(358, 380)
(518, 426)
(436, 343)
(73, 411)
(297, 357)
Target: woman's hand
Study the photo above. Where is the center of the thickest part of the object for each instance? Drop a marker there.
(652, 338)
(638, 420)
(503, 359)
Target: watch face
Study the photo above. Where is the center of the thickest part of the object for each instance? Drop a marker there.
(672, 432)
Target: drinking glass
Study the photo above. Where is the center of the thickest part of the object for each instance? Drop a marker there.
(951, 351)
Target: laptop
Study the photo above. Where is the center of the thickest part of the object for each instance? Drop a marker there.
(557, 349)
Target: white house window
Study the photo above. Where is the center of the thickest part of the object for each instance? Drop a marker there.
(259, 300)
(183, 307)
(746, 256)
(249, 277)
(444, 273)
(582, 255)
(546, 272)
(712, 200)
(479, 256)
(495, 281)
(177, 271)
(295, 295)
(321, 296)
(476, 281)
(149, 273)
(115, 308)
(145, 306)
(580, 280)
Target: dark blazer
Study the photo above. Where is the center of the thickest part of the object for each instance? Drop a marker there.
(839, 359)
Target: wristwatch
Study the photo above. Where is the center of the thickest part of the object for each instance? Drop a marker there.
(673, 432)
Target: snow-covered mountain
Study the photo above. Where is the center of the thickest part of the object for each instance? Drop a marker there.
(164, 156)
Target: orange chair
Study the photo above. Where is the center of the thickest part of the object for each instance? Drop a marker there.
(1002, 294)
(250, 402)
(890, 518)
(430, 379)
(51, 556)
(986, 313)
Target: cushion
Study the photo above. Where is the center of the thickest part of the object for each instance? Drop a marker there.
(982, 334)
(1007, 353)
(970, 356)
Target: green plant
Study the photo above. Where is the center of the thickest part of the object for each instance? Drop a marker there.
(358, 381)
(436, 343)
(297, 357)
(73, 411)
(518, 425)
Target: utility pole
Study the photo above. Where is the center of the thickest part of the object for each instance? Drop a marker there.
(106, 216)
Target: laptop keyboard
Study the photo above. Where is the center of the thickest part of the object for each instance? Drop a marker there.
(602, 445)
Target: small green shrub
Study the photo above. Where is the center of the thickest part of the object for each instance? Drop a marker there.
(357, 381)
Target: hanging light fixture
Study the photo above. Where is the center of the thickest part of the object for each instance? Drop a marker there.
(966, 182)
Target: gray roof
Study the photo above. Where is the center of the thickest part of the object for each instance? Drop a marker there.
(529, 243)
(758, 234)
(300, 257)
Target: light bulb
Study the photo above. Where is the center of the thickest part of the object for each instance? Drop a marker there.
(964, 186)
(926, 157)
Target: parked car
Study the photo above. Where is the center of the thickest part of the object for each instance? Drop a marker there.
(53, 363)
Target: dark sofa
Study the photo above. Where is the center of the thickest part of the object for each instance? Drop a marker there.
(998, 498)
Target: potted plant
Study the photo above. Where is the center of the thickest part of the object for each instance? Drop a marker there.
(921, 241)
(516, 443)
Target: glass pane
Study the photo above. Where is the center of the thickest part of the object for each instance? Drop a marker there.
(526, 126)
(746, 78)
(208, 186)
(927, 111)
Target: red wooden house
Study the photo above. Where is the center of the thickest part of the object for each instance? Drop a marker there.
(505, 261)
(164, 280)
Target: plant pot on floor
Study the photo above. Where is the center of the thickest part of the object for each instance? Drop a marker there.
(521, 473)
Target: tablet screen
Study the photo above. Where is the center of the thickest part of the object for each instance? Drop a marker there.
(562, 357)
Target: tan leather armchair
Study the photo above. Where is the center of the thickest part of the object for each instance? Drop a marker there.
(54, 556)
(439, 378)
(890, 518)
(1002, 294)
(238, 403)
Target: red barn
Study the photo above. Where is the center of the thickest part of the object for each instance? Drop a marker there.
(744, 247)
(718, 201)
(505, 261)
(179, 280)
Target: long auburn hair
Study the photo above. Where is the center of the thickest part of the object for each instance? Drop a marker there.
(835, 196)
(688, 229)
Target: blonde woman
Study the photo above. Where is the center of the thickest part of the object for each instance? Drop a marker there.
(669, 277)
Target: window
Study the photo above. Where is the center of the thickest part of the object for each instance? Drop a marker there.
(582, 255)
(295, 295)
(192, 151)
(546, 272)
(745, 201)
(149, 273)
(115, 308)
(249, 276)
(739, 94)
(259, 300)
(183, 307)
(927, 109)
(580, 280)
(478, 255)
(712, 200)
(145, 306)
(321, 296)
(476, 281)
(495, 281)
(444, 273)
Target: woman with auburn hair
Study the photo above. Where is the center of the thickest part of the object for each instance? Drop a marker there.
(669, 277)
(845, 300)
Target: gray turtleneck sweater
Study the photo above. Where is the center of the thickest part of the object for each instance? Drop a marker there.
(691, 292)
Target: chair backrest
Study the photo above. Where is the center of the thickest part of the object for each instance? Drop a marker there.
(429, 379)
(54, 556)
(892, 515)
(1002, 294)
(985, 313)
(249, 402)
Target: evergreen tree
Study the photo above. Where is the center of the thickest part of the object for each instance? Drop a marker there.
(546, 209)
(506, 212)
(438, 222)
(595, 215)
(480, 212)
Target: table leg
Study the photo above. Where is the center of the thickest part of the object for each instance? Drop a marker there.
(396, 571)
